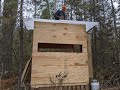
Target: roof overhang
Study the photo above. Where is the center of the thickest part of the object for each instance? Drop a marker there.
(30, 23)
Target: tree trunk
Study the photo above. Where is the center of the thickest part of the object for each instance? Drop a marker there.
(8, 26)
(71, 10)
(35, 10)
(114, 17)
(48, 7)
(55, 2)
(21, 45)
(93, 10)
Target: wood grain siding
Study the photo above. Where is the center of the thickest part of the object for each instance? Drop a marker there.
(46, 65)
(59, 33)
(90, 57)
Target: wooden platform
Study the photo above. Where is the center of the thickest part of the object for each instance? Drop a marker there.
(77, 87)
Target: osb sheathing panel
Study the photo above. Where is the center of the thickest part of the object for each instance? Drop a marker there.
(76, 74)
(46, 65)
(59, 33)
(57, 59)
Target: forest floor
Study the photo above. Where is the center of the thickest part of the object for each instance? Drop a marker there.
(114, 88)
(7, 83)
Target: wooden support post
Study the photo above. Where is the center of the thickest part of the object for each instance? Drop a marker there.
(78, 87)
(87, 87)
(65, 88)
(82, 87)
(90, 56)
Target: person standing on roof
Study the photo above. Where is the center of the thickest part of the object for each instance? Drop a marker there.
(60, 14)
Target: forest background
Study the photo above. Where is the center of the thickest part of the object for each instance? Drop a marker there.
(16, 39)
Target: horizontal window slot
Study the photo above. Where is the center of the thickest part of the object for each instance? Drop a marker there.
(50, 47)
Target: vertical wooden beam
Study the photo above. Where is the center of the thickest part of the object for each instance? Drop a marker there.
(87, 87)
(82, 87)
(90, 56)
(65, 88)
(78, 87)
(74, 87)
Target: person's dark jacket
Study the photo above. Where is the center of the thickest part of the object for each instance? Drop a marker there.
(58, 14)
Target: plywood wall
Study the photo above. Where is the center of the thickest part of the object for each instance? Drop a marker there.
(59, 33)
(46, 65)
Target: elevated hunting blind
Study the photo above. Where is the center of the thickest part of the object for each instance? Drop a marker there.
(61, 53)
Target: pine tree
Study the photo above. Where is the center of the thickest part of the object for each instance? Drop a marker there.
(8, 27)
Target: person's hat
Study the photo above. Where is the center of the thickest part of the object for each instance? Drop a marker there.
(64, 8)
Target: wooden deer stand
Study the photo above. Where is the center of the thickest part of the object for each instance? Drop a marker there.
(61, 54)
